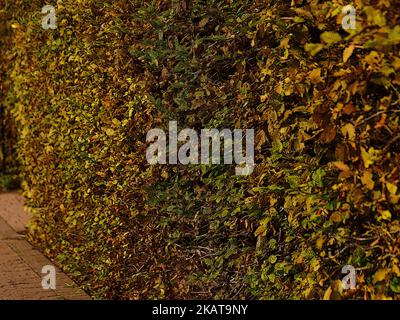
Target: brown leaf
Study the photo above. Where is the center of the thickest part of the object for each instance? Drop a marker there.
(329, 134)
(335, 217)
(315, 76)
(342, 152)
(349, 109)
(341, 166)
(349, 131)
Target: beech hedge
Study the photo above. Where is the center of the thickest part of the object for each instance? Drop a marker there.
(324, 103)
(8, 136)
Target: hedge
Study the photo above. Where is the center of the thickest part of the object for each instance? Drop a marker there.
(8, 135)
(324, 103)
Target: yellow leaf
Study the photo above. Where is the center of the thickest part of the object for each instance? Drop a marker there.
(313, 48)
(320, 243)
(396, 63)
(375, 16)
(392, 188)
(101, 174)
(260, 231)
(279, 88)
(386, 215)
(304, 13)
(394, 198)
(110, 132)
(394, 35)
(164, 174)
(380, 275)
(372, 58)
(330, 37)
(367, 180)
(349, 131)
(315, 76)
(367, 157)
(327, 294)
(263, 98)
(348, 52)
(284, 43)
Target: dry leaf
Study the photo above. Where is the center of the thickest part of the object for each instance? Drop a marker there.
(367, 180)
(341, 166)
(349, 131)
(315, 76)
(327, 294)
(348, 52)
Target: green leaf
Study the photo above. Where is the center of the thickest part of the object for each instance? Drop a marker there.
(318, 178)
(272, 259)
(395, 285)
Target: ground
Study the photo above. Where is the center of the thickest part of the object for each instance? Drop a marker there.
(21, 264)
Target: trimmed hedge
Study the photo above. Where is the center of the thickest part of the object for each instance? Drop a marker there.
(325, 106)
(8, 135)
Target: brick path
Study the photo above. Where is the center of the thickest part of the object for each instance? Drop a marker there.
(21, 264)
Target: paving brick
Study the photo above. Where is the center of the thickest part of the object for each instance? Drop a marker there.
(12, 211)
(21, 264)
(65, 286)
(6, 232)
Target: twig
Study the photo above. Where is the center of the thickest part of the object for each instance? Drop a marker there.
(375, 115)
(391, 142)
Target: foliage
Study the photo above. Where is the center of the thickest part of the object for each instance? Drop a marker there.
(8, 136)
(325, 106)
